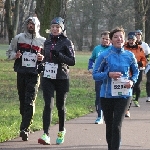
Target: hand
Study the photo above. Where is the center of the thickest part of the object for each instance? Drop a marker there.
(39, 57)
(55, 52)
(129, 84)
(18, 54)
(140, 64)
(115, 75)
(90, 70)
(40, 68)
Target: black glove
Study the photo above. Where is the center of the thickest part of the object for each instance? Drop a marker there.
(55, 52)
(140, 64)
(40, 68)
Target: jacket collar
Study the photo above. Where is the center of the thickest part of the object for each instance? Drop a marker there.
(117, 50)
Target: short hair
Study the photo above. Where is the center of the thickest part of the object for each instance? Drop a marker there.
(117, 29)
(105, 33)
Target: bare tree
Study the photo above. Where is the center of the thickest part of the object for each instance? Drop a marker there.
(141, 7)
(147, 27)
(11, 17)
(48, 9)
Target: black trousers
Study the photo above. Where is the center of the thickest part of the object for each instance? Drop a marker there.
(27, 85)
(148, 84)
(114, 110)
(137, 88)
(61, 86)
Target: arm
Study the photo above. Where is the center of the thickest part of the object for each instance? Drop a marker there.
(69, 57)
(143, 59)
(11, 52)
(98, 71)
(135, 70)
(92, 60)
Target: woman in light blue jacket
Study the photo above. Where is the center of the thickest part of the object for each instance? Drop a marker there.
(118, 70)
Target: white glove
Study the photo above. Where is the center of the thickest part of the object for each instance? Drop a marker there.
(90, 70)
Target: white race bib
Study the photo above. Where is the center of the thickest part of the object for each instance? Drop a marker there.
(50, 70)
(118, 88)
(29, 59)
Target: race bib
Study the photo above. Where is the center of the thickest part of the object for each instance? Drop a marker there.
(29, 59)
(118, 88)
(50, 70)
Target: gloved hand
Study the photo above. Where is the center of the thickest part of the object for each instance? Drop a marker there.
(140, 64)
(40, 68)
(55, 52)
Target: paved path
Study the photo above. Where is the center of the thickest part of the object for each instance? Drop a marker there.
(83, 134)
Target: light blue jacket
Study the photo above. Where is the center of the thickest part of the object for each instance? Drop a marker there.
(115, 60)
(95, 53)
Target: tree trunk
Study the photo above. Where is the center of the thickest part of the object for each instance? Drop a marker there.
(141, 7)
(46, 10)
(147, 27)
(16, 16)
(8, 20)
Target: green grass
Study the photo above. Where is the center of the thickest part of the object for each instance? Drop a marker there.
(80, 99)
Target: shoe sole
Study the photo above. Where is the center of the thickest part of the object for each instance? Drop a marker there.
(98, 122)
(40, 141)
(60, 142)
(24, 136)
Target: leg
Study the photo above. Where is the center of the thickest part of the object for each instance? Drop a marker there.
(148, 86)
(108, 108)
(61, 94)
(31, 89)
(48, 95)
(97, 100)
(21, 93)
(137, 90)
(120, 106)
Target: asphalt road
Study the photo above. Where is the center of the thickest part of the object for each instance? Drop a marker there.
(83, 134)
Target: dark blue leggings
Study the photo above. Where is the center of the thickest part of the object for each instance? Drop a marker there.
(97, 100)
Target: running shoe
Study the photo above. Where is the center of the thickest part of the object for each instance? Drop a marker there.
(60, 137)
(99, 120)
(24, 134)
(136, 103)
(45, 139)
(148, 99)
(127, 114)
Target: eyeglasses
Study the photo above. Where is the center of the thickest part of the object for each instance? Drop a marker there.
(138, 34)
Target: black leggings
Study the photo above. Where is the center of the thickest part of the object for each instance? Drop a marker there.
(114, 111)
(61, 86)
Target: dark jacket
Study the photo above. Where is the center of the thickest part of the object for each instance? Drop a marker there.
(66, 55)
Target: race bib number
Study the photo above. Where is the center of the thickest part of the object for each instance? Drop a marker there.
(118, 88)
(50, 70)
(29, 59)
